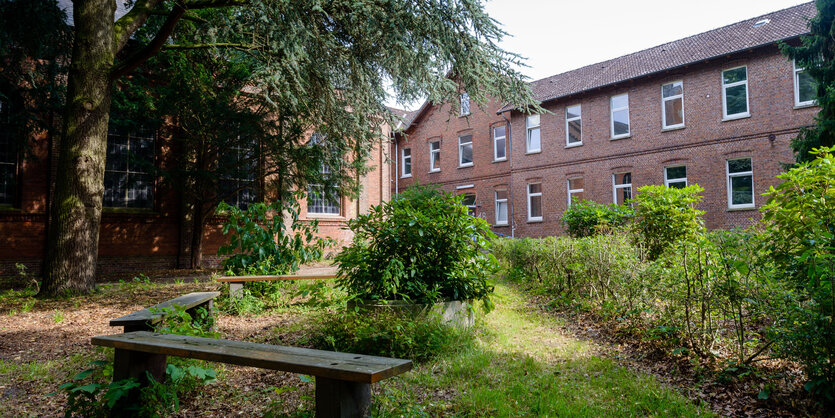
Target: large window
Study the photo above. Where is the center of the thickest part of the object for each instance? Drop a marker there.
(499, 143)
(740, 183)
(805, 87)
(735, 93)
(322, 200)
(465, 151)
(621, 187)
(128, 178)
(534, 202)
(434, 156)
(469, 202)
(501, 207)
(619, 106)
(533, 141)
(239, 165)
(573, 126)
(576, 190)
(672, 105)
(675, 177)
(465, 104)
(406, 162)
(8, 157)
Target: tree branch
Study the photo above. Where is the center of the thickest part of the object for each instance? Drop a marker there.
(131, 21)
(153, 47)
(219, 45)
(211, 4)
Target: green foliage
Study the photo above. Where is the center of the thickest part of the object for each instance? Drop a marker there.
(94, 399)
(816, 55)
(422, 246)
(587, 217)
(260, 243)
(800, 222)
(666, 216)
(176, 320)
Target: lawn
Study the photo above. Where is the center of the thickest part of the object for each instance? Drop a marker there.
(522, 362)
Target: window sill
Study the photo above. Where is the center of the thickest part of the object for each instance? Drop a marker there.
(500, 225)
(735, 117)
(741, 208)
(500, 160)
(406, 177)
(539, 151)
(465, 165)
(673, 128)
(535, 221)
(465, 115)
(331, 216)
(615, 138)
(804, 105)
(574, 145)
(435, 171)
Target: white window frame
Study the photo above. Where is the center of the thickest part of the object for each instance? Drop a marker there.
(664, 101)
(472, 210)
(678, 180)
(616, 187)
(725, 87)
(528, 129)
(797, 102)
(612, 111)
(433, 160)
(497, 203)
(318, 205)
(461, 154)
(579, 117)
(465, 104)
(730, 175)
(495, 140)
(530, 195)
(573, 191)
(403, 158)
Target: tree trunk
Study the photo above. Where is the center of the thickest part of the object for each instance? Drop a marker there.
(72, 250)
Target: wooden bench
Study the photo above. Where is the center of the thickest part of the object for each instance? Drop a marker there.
(343, 380)
(145, 319)
(236, 283)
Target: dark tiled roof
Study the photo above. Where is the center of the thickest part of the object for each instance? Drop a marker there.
(783, 24)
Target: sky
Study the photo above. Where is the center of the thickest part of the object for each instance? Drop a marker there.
(556, 36)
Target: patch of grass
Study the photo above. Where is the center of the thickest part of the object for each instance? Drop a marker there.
(58, 317)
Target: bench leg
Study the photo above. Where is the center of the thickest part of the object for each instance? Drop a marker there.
(207, 305)
(235, 289)
(338, 398)
(127, 364)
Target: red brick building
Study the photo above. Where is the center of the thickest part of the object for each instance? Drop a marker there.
(718, 109)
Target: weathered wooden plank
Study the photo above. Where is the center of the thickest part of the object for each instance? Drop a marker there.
(147, 316)
(320, 363)
(241, 279)
(338, 398)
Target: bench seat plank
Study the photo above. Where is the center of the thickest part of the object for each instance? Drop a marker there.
(241, 279)
(147, 316)
(320, 363)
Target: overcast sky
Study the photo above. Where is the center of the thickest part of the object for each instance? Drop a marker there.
(559, 35)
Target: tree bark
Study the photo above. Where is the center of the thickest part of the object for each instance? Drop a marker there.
(72, 250)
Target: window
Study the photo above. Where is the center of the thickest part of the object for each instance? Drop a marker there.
(128, 182)
(499, 143)
(735, 93)
(501, 207)
(621, 187)
(672, 105)
(805, 87)
(573, 126)
(465, 151)
(534, 202)
(533, 143)
(434, 156)
(575, 190)
(469, 202)
(8, 157)
(238, 168)
(465, 104)
(675, 177)
(322, 200)
(740, 183)
(407, 162)
(619, 106)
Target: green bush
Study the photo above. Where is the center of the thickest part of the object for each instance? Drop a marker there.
(422, 246)
(586, 217)
(666, 216)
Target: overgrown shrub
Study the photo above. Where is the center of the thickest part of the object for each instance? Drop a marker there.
(666, 216)
(586, 217)
(422, 246)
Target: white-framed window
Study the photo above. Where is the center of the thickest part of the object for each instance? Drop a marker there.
(406, 162)
(576, 190)
(434, 156)
(573, 126)
(322, 200)
(534, 201)
(469, 202)
(675, 177)
(672, 105)
(740, 183)
(619, 107)
(465, 151)
(128, 178)
(621, 187)
(501, 207)
(735, 93)
(8, 157)
(499, 143)
(239, 167)
(465, 104)
(533, 140)
(805, 87)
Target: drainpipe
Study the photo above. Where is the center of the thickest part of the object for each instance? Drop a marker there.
(510, 181)
(396, 168)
